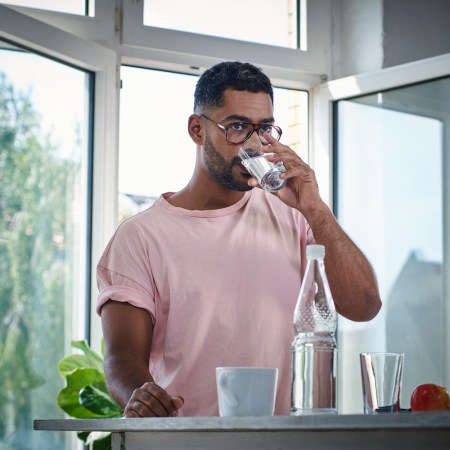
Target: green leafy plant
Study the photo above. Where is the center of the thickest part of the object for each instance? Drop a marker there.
(86, 395)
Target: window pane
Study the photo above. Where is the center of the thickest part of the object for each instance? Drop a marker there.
(79, 7)
(156, 153)
(390, 199)
(261, 21)
(43, 243)
(154, 107)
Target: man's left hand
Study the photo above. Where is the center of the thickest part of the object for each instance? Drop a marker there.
(301, 190)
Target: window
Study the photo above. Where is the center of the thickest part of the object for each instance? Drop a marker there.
(156, 153)
(156, 38)
(44, 235)
(390, 197)
(246, 21)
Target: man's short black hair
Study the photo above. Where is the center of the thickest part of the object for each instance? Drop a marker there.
(229, 75)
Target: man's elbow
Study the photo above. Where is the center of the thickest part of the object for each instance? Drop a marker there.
(371, 307)
(364, 310)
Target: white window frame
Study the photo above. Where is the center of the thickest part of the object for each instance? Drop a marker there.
(47, 40)
(98, 29)
(193, 53)
(323, 96)
(322, 99)
(158, 48)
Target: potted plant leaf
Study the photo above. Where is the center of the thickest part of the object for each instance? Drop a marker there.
(86, 395)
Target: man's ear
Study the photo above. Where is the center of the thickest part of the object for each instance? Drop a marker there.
(196, 129)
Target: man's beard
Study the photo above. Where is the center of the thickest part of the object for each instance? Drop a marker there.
(222, 170)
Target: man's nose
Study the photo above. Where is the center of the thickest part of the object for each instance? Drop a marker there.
(254, 142)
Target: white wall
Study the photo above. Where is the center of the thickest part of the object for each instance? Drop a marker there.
(357, 34)
(415, 29)
(369, 35)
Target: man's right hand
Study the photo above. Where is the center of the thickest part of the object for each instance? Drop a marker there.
(151, 400)
(128, 333)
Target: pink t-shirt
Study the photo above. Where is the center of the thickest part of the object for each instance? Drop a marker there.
(221, 287)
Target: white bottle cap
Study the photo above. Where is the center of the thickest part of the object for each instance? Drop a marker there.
(315, 251)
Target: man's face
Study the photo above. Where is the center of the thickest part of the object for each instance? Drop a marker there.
(220, 156)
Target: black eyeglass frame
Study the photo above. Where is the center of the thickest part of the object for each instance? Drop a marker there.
(256, 127)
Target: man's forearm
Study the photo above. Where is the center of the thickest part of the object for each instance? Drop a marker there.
(124, 374)
(352, 280)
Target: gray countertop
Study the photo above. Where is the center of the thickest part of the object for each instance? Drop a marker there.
(402, 431)
(276, 423)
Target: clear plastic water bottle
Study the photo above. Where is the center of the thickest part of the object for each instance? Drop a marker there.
(314, 352)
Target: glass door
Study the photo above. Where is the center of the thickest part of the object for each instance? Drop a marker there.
(391, 170)
(47, 140)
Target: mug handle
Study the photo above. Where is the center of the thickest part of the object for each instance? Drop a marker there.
(223, 383)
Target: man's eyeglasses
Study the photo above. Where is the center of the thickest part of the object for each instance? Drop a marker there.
(239, 132)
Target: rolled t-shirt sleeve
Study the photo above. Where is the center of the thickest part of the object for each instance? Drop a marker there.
(123, 271)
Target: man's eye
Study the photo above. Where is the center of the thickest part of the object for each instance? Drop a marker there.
(266, 129)
(237, 127)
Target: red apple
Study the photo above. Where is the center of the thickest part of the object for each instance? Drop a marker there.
(430, 397)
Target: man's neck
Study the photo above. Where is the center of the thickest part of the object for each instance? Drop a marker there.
(207, 196)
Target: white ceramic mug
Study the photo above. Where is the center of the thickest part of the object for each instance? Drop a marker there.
(246, 391)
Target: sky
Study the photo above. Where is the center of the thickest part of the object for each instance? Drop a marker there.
(57, 92)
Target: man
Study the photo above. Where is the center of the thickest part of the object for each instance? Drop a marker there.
(209, 276)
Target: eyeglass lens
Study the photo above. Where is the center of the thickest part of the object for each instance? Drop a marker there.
(239, 133)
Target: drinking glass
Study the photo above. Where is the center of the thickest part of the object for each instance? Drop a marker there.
(381, 381)
(266, 173)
